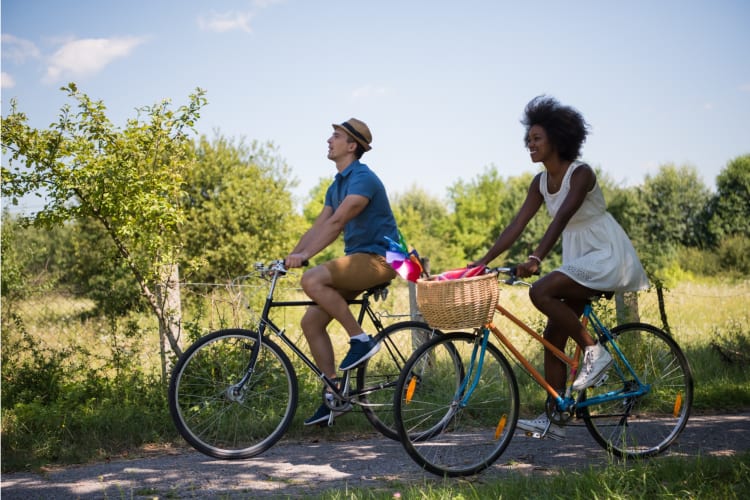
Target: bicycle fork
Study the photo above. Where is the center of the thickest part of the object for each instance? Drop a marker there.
(472, 377)
(475, 370)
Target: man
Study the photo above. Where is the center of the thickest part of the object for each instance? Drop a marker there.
(357, 204)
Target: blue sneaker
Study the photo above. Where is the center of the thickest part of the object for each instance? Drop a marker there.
(321, 415)
(358, 352)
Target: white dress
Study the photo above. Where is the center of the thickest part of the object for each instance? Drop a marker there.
(596, 251)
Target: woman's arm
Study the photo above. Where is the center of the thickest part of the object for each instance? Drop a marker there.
(582, 180)
(511, 233)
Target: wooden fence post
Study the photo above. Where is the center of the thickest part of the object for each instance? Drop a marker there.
(417, 337)
(626, 304)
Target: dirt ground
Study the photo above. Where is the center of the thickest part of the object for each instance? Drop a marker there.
(294, 469)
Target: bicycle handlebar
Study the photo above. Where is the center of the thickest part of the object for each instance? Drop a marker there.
(274, 268)
(510, 271)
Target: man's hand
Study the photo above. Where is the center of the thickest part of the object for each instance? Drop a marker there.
(295, 260)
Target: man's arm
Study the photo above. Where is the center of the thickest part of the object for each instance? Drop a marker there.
(326, 229)
(317, 224)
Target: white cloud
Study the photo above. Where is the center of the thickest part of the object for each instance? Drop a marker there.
(17, 49)
(262, 4)
(227, 21)
(745, 87)
(88, 56)
(369, 91)
(221, 22)
(6, 81)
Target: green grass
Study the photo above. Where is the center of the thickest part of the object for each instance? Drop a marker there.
(668, 478)
(77, 388)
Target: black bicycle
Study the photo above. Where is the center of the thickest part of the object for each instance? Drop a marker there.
(234, 392)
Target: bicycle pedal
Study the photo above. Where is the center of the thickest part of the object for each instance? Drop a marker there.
(602, 380)
(538, 435)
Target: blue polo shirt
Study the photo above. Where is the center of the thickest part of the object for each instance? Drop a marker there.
(367, 231)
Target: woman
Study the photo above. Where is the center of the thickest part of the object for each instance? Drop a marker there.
(597, 254)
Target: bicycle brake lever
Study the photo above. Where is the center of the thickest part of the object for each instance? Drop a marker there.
(513, 277)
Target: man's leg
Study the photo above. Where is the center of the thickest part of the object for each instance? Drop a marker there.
(314, 324)
(318, 285)
(332, 283)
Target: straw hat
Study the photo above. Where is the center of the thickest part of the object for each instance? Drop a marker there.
(358, 131)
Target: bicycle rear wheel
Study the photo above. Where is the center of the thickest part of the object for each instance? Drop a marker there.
(642, 426)
(441, 428)
(377, 377)
(218, 417)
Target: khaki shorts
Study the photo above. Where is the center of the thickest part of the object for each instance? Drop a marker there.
(359, 271)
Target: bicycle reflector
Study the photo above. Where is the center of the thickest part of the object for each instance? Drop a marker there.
(410, 389)
(500, 427)
(677, 404)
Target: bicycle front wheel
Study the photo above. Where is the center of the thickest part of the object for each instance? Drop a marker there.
(218, 416)
(645, 425)
(455, 411)
(377, 377)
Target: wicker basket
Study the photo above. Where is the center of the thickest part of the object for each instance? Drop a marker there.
(459, 303)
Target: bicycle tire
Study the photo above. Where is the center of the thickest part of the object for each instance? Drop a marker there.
(439, 432)
(377, 377)
(222, 423)
(643, 426)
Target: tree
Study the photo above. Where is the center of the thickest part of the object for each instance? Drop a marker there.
(476, 214)
(730, 206)
(672, 205)
(239, 209)
(128, 180)
(675, 200)
(92, 265)
(485, 206)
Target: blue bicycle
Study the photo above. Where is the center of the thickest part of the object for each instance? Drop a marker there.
(456, 402)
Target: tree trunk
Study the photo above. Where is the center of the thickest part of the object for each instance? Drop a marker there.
(170, 317)
(662, 308)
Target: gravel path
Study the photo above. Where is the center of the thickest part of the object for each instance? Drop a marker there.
(297, 469)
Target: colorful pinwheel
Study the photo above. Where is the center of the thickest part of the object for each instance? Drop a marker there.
(406, 263)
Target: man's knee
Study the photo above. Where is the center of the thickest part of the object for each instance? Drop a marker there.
(314, 322)
(314, 278)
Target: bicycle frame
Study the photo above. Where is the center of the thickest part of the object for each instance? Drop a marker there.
(266, 322)
(566, 403)
(604, 334)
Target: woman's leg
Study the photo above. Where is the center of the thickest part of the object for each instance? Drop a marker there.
(562, 300)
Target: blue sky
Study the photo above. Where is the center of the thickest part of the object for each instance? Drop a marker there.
(442, 84)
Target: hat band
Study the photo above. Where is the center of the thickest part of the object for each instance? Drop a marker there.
(354, 132)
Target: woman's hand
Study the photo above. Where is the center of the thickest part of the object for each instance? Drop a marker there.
(530, 267)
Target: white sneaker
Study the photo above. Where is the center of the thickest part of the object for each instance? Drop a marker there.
(596, 359)
(539, 425)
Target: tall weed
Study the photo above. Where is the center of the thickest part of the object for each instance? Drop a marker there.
(79, 401)
(77, 387)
